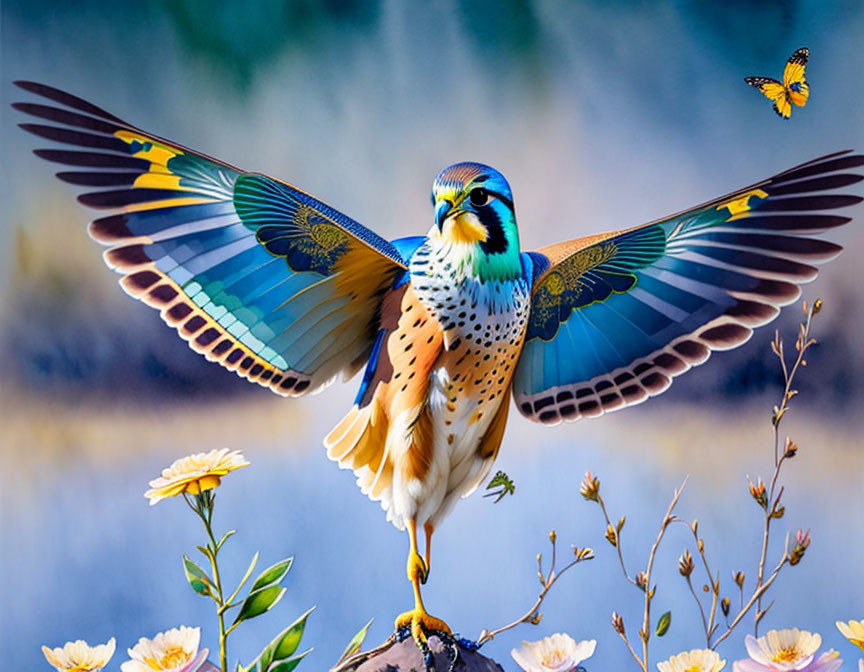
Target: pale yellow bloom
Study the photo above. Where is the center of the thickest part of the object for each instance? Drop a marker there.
(173, 651)
(195, 474)
(697, 660)
(791, 649)
(853, 631)
(556, 653)
(78, 656)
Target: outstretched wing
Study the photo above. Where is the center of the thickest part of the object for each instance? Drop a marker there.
(254, 273)
(615, 317)
(793, 77)
(773, 91)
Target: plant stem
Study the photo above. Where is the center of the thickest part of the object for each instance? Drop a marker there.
(617, 539)
(204, 503)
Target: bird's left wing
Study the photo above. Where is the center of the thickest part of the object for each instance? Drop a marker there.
(615, 317)
(254, 273)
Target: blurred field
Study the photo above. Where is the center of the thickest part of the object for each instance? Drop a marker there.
(601, 115)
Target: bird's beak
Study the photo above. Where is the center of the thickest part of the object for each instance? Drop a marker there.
(442, 209)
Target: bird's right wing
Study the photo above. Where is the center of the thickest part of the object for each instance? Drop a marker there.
(615, 317)
(254, 273)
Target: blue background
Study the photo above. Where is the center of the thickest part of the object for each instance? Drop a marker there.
(601, 115)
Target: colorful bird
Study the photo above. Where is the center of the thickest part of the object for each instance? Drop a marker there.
(289, 293)
(794, 89)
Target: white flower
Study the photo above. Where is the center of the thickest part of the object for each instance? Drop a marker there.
(697, 660)
(173, 651)
(78, 656)
(556, 653)
(784, 650)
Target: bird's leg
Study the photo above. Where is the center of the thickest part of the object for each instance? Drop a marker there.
(428, 528)
(418, 620)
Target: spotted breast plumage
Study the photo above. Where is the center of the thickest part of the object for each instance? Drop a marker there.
(289, 293)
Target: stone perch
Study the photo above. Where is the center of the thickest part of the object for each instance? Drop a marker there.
(404, 656)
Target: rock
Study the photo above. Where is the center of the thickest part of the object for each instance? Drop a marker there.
(404, 656)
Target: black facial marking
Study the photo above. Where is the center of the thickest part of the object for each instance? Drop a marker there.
(496, 243)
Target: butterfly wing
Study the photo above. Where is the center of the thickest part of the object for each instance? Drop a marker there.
(773, 91)
(615, 317)
(798, 90)
(252, 272)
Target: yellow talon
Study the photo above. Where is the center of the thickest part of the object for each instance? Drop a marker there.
(421, 624)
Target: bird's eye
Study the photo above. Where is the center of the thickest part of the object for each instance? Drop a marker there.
(479, 197)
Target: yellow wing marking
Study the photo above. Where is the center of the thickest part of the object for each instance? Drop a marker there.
(741, 202)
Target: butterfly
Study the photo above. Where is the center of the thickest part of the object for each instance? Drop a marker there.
(793, 90)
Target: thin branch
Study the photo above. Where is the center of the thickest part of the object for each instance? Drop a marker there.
(649, 593)
(547, 582)
(757, 595)
(617, 540)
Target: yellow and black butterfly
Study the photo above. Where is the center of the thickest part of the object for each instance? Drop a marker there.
(793, 90)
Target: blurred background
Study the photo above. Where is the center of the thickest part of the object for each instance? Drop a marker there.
(602, 115)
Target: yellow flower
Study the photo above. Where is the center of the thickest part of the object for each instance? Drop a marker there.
(697, 660)
(195, 474)
(173, 651)
(853, 631)
(78, 656)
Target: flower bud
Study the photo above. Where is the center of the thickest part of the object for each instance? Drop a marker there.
(641, 580)
(590, 487)
(725, 605)
(791, 448)
(802, 541)
(611, 536)
(553, 536)
(617, 623)
(759, 494)
(685, 563)
(738, 578)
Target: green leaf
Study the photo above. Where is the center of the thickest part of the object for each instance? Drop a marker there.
(248, 573)
(285, 643)
(355, 643)
(205, 550)
(290, 664)
(273, 574)
(663, 623)
(259, 601)
(224, 538)
(197, 577)
(288, 640)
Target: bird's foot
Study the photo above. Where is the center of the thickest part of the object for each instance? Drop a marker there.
(417, 568)
(419, 625)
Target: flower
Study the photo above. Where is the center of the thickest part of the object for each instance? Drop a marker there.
(79, 656)
(853, 631)
(173, 651)
(787, 651)
(556, 653)
(195, 474)
(697, 660)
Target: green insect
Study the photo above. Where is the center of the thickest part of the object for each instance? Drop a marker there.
(502, 480)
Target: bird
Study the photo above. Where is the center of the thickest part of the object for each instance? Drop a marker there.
(289, 293)
(793, 90)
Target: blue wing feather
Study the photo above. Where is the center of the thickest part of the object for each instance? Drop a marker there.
(615, 318)
(253, 272)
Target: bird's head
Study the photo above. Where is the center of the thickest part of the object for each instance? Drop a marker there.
(474, 211)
